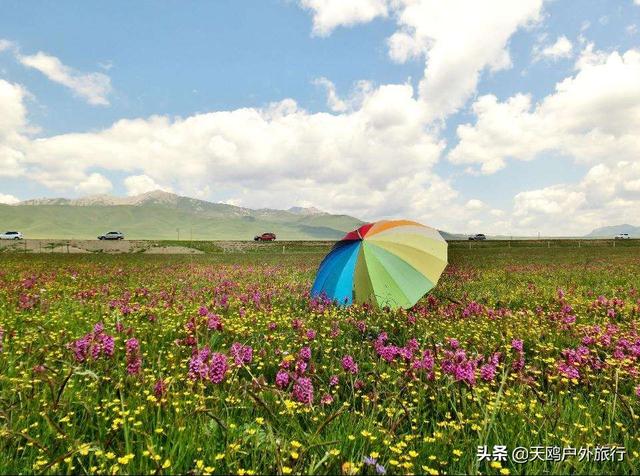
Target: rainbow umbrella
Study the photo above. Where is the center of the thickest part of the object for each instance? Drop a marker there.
(388, 263)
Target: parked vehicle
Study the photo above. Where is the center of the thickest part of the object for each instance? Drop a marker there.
(11, 235)
(622, 236)
(478, 237)
(112, 235)
(265, 237)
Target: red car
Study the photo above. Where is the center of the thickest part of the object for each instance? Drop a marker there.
(265, 237)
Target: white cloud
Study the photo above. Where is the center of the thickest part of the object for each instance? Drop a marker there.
(562, 48)
(13, 123)
(329, 14)
(8, 199)
(137, 184)
(94, 184)
(92, 87)
(459, 39)
(606, 195)
(333, 100)
(6, 45)
(593, 117)
(374, 160)
(475, 204)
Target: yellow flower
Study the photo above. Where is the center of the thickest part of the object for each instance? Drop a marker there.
(505, 471)
(286, 470)
(295, 444)
(166, 464)
(496, 464)
(457, 452)
(431, 471)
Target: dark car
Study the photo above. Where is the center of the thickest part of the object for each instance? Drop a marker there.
(112, 235)
(265, 237)
(478, 237)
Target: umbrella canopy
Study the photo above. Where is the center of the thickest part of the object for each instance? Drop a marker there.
(388, 263)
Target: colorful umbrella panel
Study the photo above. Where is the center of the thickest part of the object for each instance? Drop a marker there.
(388, 263)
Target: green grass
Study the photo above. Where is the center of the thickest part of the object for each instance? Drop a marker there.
(86, 417)
(156, 222)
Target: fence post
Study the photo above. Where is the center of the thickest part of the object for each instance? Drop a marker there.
(614, 243)
(548, 244)
(282, 249)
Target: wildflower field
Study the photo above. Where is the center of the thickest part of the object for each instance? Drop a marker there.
(222, 364)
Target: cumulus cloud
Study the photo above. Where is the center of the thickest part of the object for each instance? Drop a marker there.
(607, 194)
(94, 184)
(137, 184)
(329, 14)
(458, 39)
(92, 87)
(333, 100)
(13, 124)
(6, 45)
(475, 204)
(593, 116)
(373, 160)
(562, 48)
(8, 199)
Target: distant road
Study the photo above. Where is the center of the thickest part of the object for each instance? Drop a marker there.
(317, 246)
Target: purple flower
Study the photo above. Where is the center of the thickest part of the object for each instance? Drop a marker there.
(380, 469)
(205, 365)
(349, 365)
(334, 380)
(134, 360)
(305, 353)
(303, 390)
(517, 345)
(214, 322)
(282, 379)
(488, 372)
(568, 370)
(218, 367)
(160, 388)
(311, 334)
(242, 354)
(326, 399)
(301, 367)
(93, 344)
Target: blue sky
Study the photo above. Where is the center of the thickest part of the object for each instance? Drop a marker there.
(382, 150)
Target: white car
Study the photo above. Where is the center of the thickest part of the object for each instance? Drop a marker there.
(11, 235)
(622, 236)
(112, 235)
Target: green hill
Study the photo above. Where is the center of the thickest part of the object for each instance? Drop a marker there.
(159, 215)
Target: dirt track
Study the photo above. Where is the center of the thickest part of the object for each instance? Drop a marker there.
(161, 247)
(92, 246)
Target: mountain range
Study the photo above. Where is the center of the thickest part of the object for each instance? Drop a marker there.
(163, 215)
(609, 231)
(159, 215)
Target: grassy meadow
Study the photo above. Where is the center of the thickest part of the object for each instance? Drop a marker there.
(220, 363)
